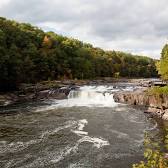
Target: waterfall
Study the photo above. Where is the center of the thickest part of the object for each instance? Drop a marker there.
(86, 96)
(92, 96)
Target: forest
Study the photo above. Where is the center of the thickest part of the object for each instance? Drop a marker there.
(30, 55)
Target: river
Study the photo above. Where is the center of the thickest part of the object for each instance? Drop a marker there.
(87, 130)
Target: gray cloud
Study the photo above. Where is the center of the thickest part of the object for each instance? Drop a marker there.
(139, 26)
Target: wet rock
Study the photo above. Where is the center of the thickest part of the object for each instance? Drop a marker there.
(137, 97)
(156, 105)
(53, 94)
(7, 99)
(165, 115)
(33, 93)
(43, 90)
(155, 111)
(166, 155)
(151, 110)
(58, 93)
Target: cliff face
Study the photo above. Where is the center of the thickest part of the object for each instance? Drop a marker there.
(156, 105)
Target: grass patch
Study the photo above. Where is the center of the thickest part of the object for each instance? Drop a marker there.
(156, 90)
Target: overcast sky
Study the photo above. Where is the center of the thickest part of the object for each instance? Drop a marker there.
(136, 26)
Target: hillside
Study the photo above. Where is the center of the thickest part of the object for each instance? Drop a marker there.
(30, 55)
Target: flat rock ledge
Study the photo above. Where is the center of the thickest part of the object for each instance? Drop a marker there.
(156, 105)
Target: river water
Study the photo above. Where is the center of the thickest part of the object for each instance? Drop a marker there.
(87, 130)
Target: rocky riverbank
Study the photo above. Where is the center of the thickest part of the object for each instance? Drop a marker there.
(53, 89)
(155, 104)
(16, 97)
(40, 91)
(60, 89)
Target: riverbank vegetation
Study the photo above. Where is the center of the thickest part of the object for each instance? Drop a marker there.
(162, 65)
(155, 157)
(30, 55)
(153, 154)
(158, 90)
(162, 68)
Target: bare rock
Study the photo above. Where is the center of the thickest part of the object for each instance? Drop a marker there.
(60, 93)
(137, 97)
(165, 115)
(156, 105)
(7, 99)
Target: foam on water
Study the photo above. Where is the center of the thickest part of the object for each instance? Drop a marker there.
(80, 132)
(18, 146)
(119, 134)
(15, 146)
(64, 153)
(68, 124)
(97, 142)
(76, 127)
(81, 124)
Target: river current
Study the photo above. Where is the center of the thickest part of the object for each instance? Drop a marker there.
(86, 130)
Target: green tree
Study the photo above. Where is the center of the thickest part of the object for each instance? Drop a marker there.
(153, 155)
(162, 65)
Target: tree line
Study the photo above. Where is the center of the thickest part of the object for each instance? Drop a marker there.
(162, 65)
(29, 55)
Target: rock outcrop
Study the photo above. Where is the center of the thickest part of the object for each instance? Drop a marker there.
(60, 93)
(35, 94)
(155, 104)
(7, 99)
